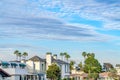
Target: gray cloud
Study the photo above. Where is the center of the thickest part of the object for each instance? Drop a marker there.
(45, 28)
(34, 20)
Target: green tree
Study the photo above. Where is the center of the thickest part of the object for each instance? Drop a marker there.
(48, 53)
(81, 66)
(65, 53)
(72, 65)
(53, 72)
(67, 56)
(84, 54)
(92, 55)
(19, 55)
(16, 52)
(25, 54)
(61, 54)
(89, 55)
(92, 67)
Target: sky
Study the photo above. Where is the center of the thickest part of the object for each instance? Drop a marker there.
(73, 26)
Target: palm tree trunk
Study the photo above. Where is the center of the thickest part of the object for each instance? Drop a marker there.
(17, 58)
(20, 59)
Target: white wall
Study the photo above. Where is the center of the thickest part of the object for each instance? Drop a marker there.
(30, 63)
(118, 70)
(17, 70)
(48, 60)
(37, 66)
(65, 71)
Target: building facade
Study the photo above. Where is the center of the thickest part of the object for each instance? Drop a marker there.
(39, 66)
(17, 70)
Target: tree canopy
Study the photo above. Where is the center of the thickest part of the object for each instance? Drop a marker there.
(72, 65)
(92, 66)
(53, 72)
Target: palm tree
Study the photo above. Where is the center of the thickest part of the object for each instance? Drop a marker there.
(88, 55)
(65, 53)
(16, 53)
(71, 65)
(81, 66)
(92, 55)
(61, 54)
(84, 54)
(25, 54)
(20, 55)
(48, 53)
(67, 56)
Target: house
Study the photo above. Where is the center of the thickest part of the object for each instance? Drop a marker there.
(39, 66)
(118, 69)
(17, 70)
(105, 76)
(64, 66)
(3, 75)
(78, 75)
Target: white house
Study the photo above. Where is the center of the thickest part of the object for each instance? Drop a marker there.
(78, 74)
(64, 66)
(17, 70)
(39, 66)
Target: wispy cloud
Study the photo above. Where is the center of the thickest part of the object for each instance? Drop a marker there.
(47, 28)
(44, 19)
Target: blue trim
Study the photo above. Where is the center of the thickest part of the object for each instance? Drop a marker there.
(14, 64)
(5, 63)
(22, 65)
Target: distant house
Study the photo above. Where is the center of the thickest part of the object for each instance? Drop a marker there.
(78, 75)
(107, 66)
(118, 69)
(105, 76)
(3, 75)
(37, 65)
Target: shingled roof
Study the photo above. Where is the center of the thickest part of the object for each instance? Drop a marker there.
(59, 61)
(36, 58)
(3, 73)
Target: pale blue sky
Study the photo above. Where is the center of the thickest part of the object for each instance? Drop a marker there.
(72, 26)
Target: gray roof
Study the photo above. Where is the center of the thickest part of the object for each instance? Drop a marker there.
(36, 58)
(59, 61)
(117, 65)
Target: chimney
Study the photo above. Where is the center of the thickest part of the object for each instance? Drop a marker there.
(48, 59)
(55, 56)
(23, 61)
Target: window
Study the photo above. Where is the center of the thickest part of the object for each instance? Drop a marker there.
(61, 67)
(22, 66)
(66, 68)
(13, 65)
(5, 64)
(42, 67)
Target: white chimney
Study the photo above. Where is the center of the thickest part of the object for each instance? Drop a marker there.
(48, 59)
